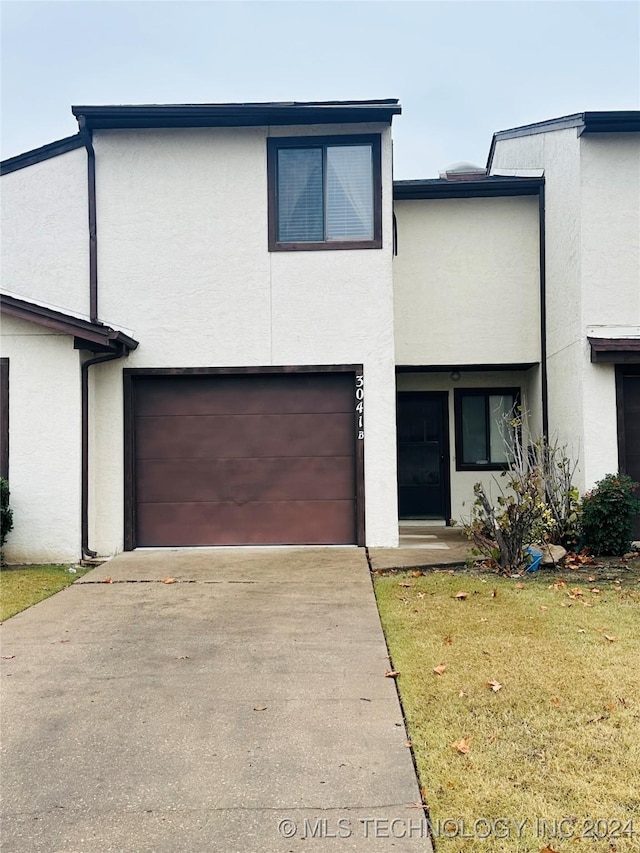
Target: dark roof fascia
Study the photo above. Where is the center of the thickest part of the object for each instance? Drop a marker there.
(489, 187)
(92, 336)
(615, 350)
(466, 368)
(236, 115)
(609, 121)
(37, 155)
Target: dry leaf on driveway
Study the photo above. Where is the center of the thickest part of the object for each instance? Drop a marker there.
(259, 707)
(107, 580)
(462, 745)
(168, 580)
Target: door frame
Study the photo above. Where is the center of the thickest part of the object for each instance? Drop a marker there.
(129, 374)
(443, 396)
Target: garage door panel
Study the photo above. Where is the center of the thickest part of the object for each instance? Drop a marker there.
(245, 395)
(245, 459)
(223, 436)
(254, 523)
(240, 480)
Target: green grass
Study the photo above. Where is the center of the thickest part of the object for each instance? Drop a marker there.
(23, 586)
(560, 738)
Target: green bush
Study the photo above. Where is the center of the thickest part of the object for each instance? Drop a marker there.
(607, 515)
(6, 514)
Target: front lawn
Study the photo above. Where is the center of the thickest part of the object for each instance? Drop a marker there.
(22, 586)
(522, 699)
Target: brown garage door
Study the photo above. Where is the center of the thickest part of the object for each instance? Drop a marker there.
(245, 459)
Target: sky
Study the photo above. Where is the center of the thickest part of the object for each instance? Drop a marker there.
(461, 70)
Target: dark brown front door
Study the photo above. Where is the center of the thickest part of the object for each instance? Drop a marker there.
(244, 459)
(423, 455)
(630, 422)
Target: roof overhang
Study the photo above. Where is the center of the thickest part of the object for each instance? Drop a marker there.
(488, 187)
(609, 121)
(95, 337)
(37, 155)
(236, 115)
(615, 350)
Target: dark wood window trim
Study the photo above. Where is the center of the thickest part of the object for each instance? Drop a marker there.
(129, 375)
(274, 143)
(458, 395)
(4, 418)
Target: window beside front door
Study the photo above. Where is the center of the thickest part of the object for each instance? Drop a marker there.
(481, 417)
(324, 193)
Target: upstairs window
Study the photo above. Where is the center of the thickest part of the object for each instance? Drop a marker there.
(482, 428)
(324, 193)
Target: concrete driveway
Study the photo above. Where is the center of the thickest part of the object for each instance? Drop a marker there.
(242, 707)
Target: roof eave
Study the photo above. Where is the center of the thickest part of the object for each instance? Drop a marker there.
(484, 188)
(127, 116)
(91, 336)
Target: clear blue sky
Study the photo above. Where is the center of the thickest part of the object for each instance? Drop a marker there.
(460, 69)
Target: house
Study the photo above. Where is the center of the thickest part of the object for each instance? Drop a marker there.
(227, 325)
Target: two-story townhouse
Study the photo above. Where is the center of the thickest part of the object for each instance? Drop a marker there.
(224, 324)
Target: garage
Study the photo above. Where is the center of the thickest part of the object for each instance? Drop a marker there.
(234, 458)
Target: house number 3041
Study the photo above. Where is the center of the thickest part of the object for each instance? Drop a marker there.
(360, 404)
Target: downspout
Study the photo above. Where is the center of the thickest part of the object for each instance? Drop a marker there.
(544, 388)
(84, 372)
(93, 232)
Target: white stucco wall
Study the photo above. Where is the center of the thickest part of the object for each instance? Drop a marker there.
(184, 265)
(462, 482)
(45, 234)
(466, 281)
(44, 443)
(593, 276)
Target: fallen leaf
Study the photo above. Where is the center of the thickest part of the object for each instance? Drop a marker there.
(168, 580)
(407, 743)
(259, 707)
(183, 657)
(595, 591)
(543, 607)
(494, 685)
(576, 590)
(591, 578)
(582, 631)
(461, 694)
(555, 701)
(107, 580)
(494, 594)
(610, 638)
(462, 595)
(391, 673)
(611, 706)
(405, 583)
(519, 586)
(421, 595)
(482, 619)
(416, 574)
(548, 849)
(448, 640)
(8, 657)
(440, 668)
(462, 745)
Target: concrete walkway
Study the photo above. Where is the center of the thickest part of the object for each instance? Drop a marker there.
(241, 704)
(423, 546)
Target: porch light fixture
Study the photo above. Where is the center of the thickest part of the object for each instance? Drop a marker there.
(455, 376)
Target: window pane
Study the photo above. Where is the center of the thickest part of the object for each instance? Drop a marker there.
(474, 438)
(349, 212)
(300, 195)
(499, 407)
